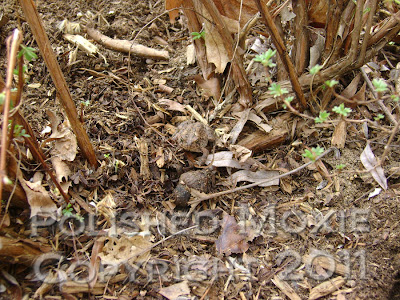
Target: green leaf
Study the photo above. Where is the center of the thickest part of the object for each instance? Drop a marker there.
(379, 117)
(395, 98)
(314, 70)
(265, 58)
(323, 116)
(313, 153)
(276, 90)
(379, 85)
(341, 110)
(340, 166)
(28, 53)
(198, 35)
(331, 83)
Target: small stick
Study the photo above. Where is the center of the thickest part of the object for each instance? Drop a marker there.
(12, 45)
(126, 46)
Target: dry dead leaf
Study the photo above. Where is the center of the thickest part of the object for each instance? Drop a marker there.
(175, 291)
(242, 154)
(106, 207)
(223, 159)
(211, 86)
(326, 288)
(39, 199)
(132, 249)
(339, 135)
(258, 176)
(190, 54)
(231, 240)
(160, 157)
(172, 105)
(370, 163)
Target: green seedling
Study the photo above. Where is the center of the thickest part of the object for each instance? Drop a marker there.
(198, 35)
(265, 58)
(29, 54)
(67, 211)
(342, 110)
(379, 117)
(323, 116)
(19, 130)
(340, 167)
(331, 83)
(379, 85)
(107, 155)
(313, 153)
(276, 90)
(395, 98)
(86, 103)
(314, 70)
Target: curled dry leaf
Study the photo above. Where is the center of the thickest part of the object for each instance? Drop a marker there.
(370, 163)
(175, 291)
(172, 105)
(211, 86)
(39, 199)
(106, 207)
(223, 159)
(258, 176)
(231, 239)
(339, 135)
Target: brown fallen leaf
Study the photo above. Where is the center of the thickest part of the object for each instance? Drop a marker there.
(175, 291)
(231, 240)
(39, 199)
(339, 135)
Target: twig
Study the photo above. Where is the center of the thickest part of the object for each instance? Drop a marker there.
(241, 188)
(36, 25)
(12, 46)
(387, 146)
(126, 46)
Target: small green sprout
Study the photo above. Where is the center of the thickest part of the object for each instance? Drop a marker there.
(323, 116)
(313, 153)
(379, 117)
(379, 85)
(198, 35)
(276, 90)
(28, 53)
(288, 99)
(2, 98)
(19, 130)
(340, 166)
(314, 70)
(24, 69)
(86, 103)
(68, 210)
(341, 110)
(265, 58)
(395, 98)
(107, 155)
(331, 83)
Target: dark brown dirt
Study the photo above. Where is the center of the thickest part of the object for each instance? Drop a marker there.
(124, 92)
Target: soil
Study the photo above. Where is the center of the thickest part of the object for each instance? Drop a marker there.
(122, 112)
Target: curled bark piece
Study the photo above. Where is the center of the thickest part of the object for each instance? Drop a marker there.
(126, 46)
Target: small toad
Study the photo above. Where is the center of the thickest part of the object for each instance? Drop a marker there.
(194, 137)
